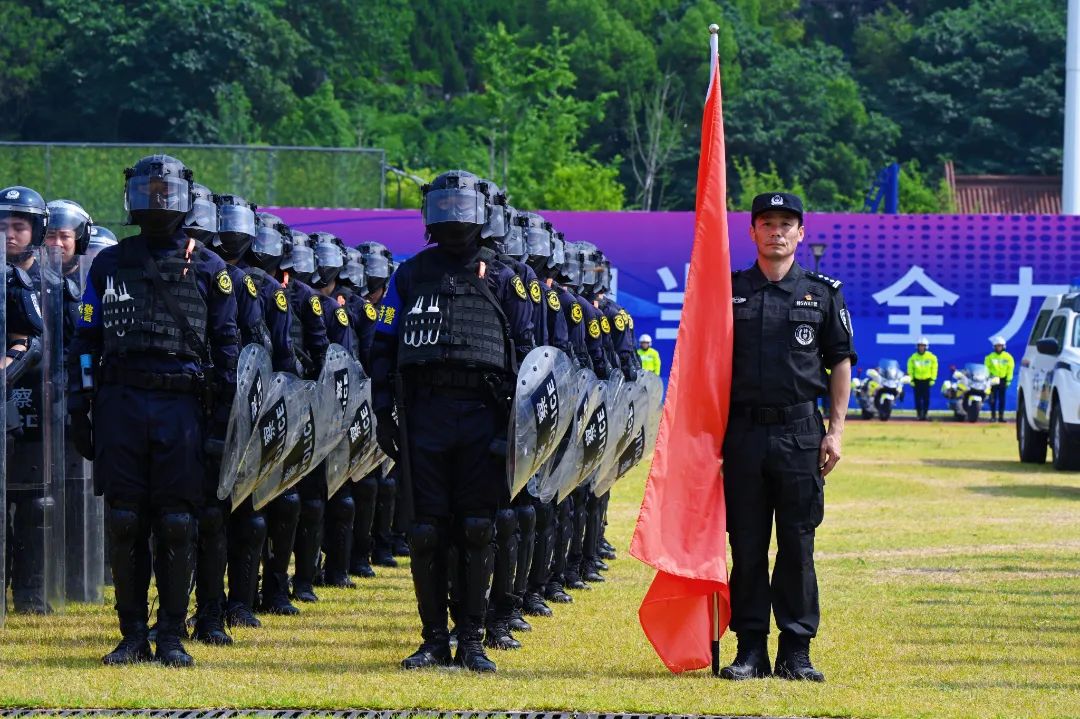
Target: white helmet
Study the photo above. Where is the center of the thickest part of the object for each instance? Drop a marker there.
(645, 338)
(923, 341)
(997, 340)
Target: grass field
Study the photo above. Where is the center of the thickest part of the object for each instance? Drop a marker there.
(950, 578)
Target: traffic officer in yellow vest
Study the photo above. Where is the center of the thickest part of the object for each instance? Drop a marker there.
(922, 368)
(650, 358)
(1000, 364)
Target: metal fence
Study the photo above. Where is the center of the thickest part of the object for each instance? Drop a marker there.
(92, 173)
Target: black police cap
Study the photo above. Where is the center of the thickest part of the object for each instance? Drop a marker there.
(782, 201)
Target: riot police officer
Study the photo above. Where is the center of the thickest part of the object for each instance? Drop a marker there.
(227, 224)
(790, 326)
(453, 326)
(159, 322)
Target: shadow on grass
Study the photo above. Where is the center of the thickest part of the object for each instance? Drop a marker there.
(991, 465)
(1029, 491)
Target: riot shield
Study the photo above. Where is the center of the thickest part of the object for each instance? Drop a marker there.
(597, 436)
(35, 500)
(283, 407)
(354, 441)
(254, 372)
(544, 393)
(560, 476)
(655, 387)
(630, 448)
(322, 408)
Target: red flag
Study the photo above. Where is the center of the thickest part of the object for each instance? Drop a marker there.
(681, 530)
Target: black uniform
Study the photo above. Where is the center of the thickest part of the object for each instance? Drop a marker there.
(786, 334)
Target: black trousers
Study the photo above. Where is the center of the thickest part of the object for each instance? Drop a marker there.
(922, 396)
(772, 471)
(997, 399)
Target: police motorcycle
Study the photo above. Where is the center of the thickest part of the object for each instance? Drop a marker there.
(882, 389)
(967, 391)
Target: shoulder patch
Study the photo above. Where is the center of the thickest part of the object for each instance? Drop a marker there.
(224, 282)
(519, 287)
(280, 301)
(316, 305)
(250, 285)
(835, 284)
(620, 323)
(629, 321)
(576, 314)
(605, 325)
(369, 311)
(594, 329)
(534, 292)
(342, 316)
(553, 301)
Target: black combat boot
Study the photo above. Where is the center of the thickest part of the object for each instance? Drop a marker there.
(497, 634)
(134, 648)
(129, 558)
(211, 557)
(428, 542)
(477, 564)
(210, 625)
(517, 621)
(793, 659)
(535, 606)
(247, 537)
(751, 660)
(241, 615)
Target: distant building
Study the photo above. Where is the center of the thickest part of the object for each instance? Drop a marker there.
(1004, 194)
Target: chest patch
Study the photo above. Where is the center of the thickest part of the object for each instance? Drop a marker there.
(808, 303)
(804, 335)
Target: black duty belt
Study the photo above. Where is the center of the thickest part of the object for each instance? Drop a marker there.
(763, 414)
(452, 378)
(183, 383)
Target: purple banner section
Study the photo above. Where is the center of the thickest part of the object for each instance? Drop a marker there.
(956, 279)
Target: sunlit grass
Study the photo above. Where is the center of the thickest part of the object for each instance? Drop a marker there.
(950, 581)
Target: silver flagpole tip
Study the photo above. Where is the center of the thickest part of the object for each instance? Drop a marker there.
(713, 29)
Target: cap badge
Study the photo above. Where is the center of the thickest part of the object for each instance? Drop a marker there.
(777, 200)
(12, 195)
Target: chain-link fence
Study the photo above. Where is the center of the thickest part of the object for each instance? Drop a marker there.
(92, 174)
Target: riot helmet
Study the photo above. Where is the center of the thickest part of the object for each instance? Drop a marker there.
(158, 194)
(299, 258)
(23, 219)
(236, 226)
(456, 208)
(590, 265)
(497, 223)
(558, 253)
(537, 233)
(352, 274)
(329, 259)
(603, 280)
(100, 238)
(201, 222)
(377, 261)
(269, 246)
(573, 268)
(69, 229)
(513, 242)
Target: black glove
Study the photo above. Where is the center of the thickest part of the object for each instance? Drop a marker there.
(80, 427)
(386, 433)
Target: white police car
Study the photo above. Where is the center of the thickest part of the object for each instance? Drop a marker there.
(1048, 399)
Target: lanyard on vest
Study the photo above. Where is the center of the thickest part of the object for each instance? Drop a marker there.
(190, 335)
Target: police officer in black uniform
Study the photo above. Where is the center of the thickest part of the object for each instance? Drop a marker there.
(455, 323)
(227, 224)
(791, 326)
(159, 320)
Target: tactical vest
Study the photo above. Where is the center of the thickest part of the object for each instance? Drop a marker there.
(135, 319)
(447, 320)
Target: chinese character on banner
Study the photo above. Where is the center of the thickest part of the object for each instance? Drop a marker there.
(932, 295)
(670, 298)
(1024, 291)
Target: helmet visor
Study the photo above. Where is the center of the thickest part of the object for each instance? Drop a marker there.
(538, 242)
(158, 193)
(514, 242)
(376, 265)
(268, 242)
(571, 268)
(558, 252)
(203, 216)
(238, 219)
(301, 259)
(457, 205)
(496, 226)
(329, 255)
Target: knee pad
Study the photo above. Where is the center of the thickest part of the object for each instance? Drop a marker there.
(212, 519)
(505, 525)
(366, 489)
(175, 529)
(248, 530)
(387, 487)
(545, 516)
(285, 508)
(477, 531)
(341, 509)
(124, 524)
(311, 510)
(424, 538)
(526, 519)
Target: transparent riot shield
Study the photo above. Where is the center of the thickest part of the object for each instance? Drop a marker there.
(544, 395)
(340, 375)
(280, 425)
(598, 436)
(655, 387)
(35, 500)
(630, 448)
(560, 476)
(356, 397)
(3, 460)
(254, 372)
